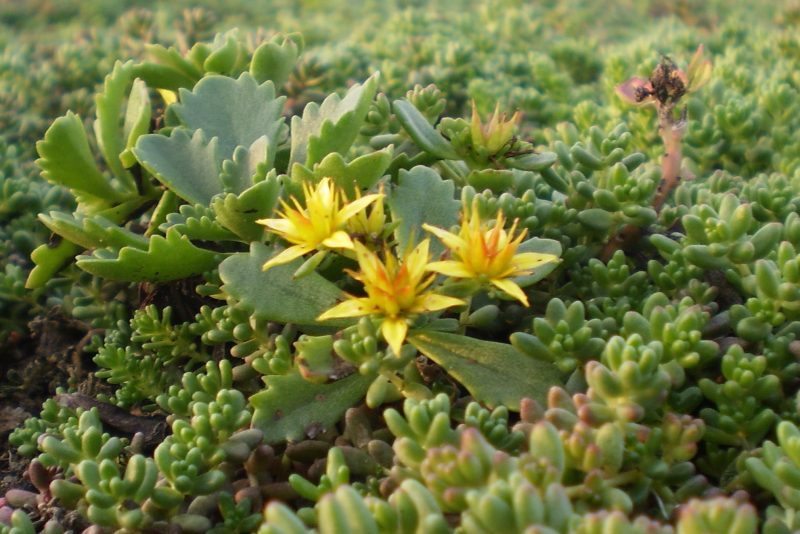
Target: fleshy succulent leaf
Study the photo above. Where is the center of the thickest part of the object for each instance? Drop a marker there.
(156, 264)
(426, 137)
(108, 128)
(65, 159)
(275, 295)
(494, 373)
(275, 59)
(364, 171)
(190, 166)
(235, 111)
(282, 411)
(422, 197)
(238, 213)
(331, 126)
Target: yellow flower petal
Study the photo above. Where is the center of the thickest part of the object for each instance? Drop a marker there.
(394, 332)
(450, 240)
(339, 239)
(368, 262)
(434, 302)
(286, 256)
(529, 260)
(356, 206)
(354, 307)
(417, 260)
(456, 269)
(512, 289)
(278, 225)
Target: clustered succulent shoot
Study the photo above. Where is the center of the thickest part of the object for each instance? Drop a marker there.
(355, 286)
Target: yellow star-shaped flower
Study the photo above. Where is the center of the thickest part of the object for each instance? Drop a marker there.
(488, 255)
(396, 290)
(320, 225)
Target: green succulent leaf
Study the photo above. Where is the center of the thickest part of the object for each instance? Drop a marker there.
(275, 61)
(422, 196)
(532, 162)
(541, 246)
(275, 295)
(48, 260)
(137, 120)
(227, 55)
(364, 171)
(108, 128)
(235, 111)
(332, 126)
(498, 180)
(246, 166)
(91, 232)
(423, 134)
(190, 166)
(65, 159)
(196, 222)
(168, 70)
(238, 213)
(494, 373)
(291, 407)
(156, 264)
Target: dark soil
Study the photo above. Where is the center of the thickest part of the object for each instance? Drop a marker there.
(32, 366)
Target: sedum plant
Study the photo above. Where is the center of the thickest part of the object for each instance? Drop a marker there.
(276, 247)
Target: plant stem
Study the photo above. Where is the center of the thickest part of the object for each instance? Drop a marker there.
(463, 317)
(671, 132)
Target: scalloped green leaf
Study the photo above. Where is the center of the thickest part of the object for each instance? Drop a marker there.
(364, 171)
(171, 257)
(275, 295)
(238, 213)
(170, 70)
(137, 120)
(48, 260)
(275, 60)
(403, 161)
(246, 166)
(292, 408)
(332, 126)
(235, 111)
(190, 166)
(494, 373)
(52, 257)
(422, 196)
(92, 231)
(197, 222)
(65, 159)
(424, 135)
(108, 128)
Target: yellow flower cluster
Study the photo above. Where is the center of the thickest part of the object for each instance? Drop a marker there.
(398, 289)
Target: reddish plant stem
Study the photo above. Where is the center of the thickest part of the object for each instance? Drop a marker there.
(671, 132)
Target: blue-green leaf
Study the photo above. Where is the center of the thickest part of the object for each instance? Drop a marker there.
(332, 126)
(422, 196)
(190, 166)
(236, 112)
